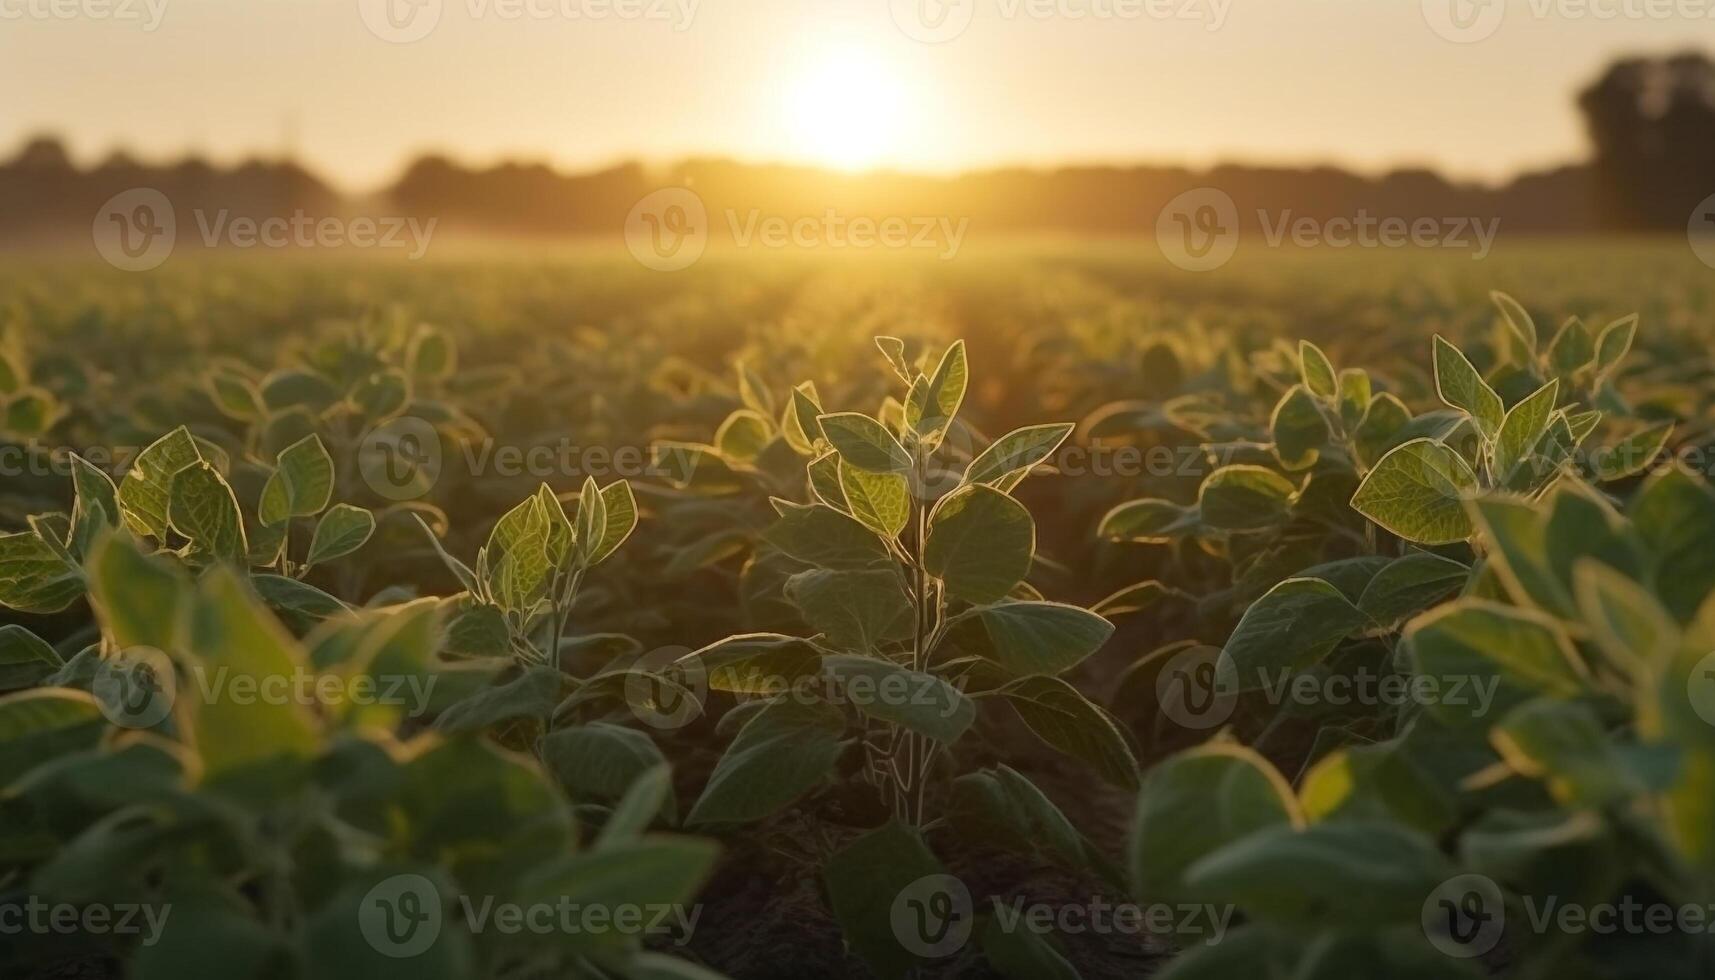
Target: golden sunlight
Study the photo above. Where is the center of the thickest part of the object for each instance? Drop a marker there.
(845, 109)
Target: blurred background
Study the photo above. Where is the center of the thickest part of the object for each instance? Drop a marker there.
(1084, 117)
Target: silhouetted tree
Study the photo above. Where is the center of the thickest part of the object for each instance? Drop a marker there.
(1653, 125)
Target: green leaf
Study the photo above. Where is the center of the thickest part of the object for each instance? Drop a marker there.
(778, 756)
(34, 576)
(1461, 387)
(1565, 744)
(341, 531)
(744, 435)
(799, 422)
(933, 412)
(1517, 320)
(1002, 807)
(1355, 397)
(45, 723)
(1573, 349)
(880, 501)
(648, 798)
(1629, 624)
(1524, 428)
(235, 395)
(31, 412)
(1317, 370)
(619, 508)
(204, 510)
(1027, 638)
(886, 691)
(893, 349)
(1293, 626)
(865, 443)
(1020, 449)
(817, 534)
(140, 598)
(146, 491)
(302, 606)
(1148, 522)
(753, 391)
(1380, 429)
(1492, 651)
(1193, 804)
(1675, 514)
(824, 476)
(1518, 533)
(1299, 429)
(25, 658)
(1020, 953)
(591, 522)
(431, 355)
(94, 487)
(1409, 585)
(981, 543)
(531, 696)
(1614, 343)
(302, 484)
(1634, 454)
(1418, 492)
(874, 884)
(1245, 498)
(1345, 874)
(460, 570)
(234, 638)
(600, 762)
(856, 610)
(1068, 721)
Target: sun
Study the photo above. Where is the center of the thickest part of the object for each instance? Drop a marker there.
(846, 109)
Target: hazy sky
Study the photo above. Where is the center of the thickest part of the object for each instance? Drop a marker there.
(1365, 83)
